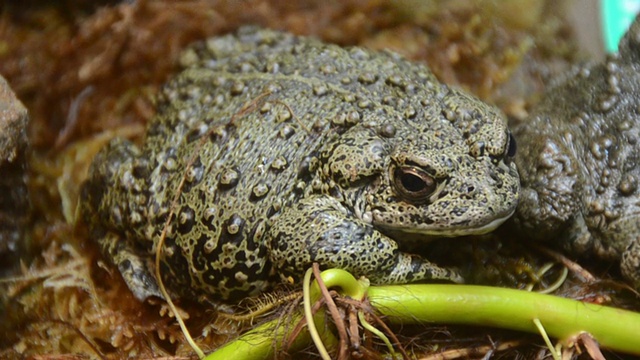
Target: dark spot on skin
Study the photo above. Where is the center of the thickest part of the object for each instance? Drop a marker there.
(186, 219)
(241, 256)
(237, 88)
(200, 253)
(141, 171)
(195, 134)
(193, 175)
(279, 164)
(271, 211)
(303, 169)
(208, 219)
(229, 178)
(259, 191)
(234, 225)
(387, 130)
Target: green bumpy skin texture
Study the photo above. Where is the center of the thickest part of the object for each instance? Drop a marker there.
(579, 158)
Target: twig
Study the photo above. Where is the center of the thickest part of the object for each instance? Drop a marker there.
(333, 310)
(571, 265)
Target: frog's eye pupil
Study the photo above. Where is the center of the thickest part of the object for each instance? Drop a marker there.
(511, 146)
(413, 184)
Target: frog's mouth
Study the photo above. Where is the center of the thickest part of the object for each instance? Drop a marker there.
(452, 230)
(478, 230)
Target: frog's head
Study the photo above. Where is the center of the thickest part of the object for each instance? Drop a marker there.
(447, 172)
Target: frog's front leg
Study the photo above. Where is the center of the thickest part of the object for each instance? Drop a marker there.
(320, 229)
(136, 269)
(111, 204)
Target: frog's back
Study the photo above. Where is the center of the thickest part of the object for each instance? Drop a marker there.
(235, 136)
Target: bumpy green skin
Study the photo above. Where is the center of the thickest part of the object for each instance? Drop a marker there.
(301, 152)
(579, 160)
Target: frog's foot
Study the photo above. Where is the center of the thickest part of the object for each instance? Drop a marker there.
(135, 269)
(319, 229)
(630, 263)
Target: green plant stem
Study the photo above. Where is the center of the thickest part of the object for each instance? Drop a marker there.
(562, 318)
(260, 343)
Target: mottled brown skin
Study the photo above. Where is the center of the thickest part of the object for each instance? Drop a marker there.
(292, 151)
(578, 157)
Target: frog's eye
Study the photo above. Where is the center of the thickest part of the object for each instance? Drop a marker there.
(510, 149)
(413, 184)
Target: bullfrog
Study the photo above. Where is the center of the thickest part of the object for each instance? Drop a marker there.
(579, 160)
(271, 151)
